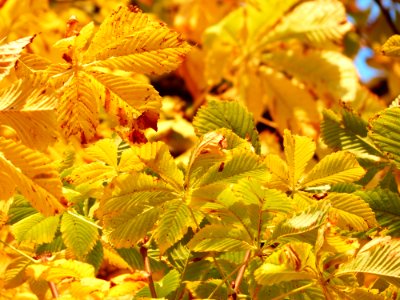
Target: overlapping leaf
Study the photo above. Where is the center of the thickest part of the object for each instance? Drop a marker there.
(351, 212)
(379, 257)
(386, 205)
(287, 264)
(385, 132)
(348, 134)
(319, 23)
(293, 49)
(174, 223)
(9, 54)
(131, 206)
(334, 168)
(313, 217)
(298, 152)
(230, 115)
(217, 238)
(34, 176)
(135, 43)
(30, 112)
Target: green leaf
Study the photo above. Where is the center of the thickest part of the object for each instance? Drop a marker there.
(204, 289)
(36, 228)
(379, 257)
(20, 209)
(129, 227)
(131, 206)
(240, 164)
(95, 256)
(307, 220)
(250, 191)
(351, 212)
(392, 46)
(385, 132)
(299, 150)
(218, 238)
(56, 245)
(334, 168)
(179, 256)
(386, 205)
(132, 256)
(349, 134)
(129, 191)
(292, 262)
(174, 224)
(230, 115)
(163, 287)
(231, 212)
(79, 234)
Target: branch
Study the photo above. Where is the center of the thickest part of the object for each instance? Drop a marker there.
(240, 274)
(386, 14)
(143, 252)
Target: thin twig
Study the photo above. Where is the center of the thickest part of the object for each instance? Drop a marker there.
(267, 122)
(225, 278)
(388, 19)
(53, 289)
(240, 274)
(223, 281)
(19, 251)
(143, 252)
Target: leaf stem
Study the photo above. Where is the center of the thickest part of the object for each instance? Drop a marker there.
(240, 274)
(143, 252)
(19, 252)
(53, 289)
(223, 281)
(299, 289)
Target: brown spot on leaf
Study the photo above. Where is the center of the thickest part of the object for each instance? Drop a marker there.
(72, 25)
(43, 176)
(148, 119)
(107, 101)
(137, 137)
(134, 9)
(83, 138)
(320, 196)
(221, 167)
(67, 58)
(122, 116)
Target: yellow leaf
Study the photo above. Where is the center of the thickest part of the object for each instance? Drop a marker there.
(321, 23)
(30, 112)
(298, 152)
(135, 43)
(392, 46)
(9, 54)
(34, 176)
(334, 168)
